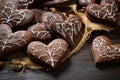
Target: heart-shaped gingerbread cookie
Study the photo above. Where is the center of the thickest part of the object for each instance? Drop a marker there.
(40, 32)
(15, 17)
(50, 54)
(11, 41)
(105, 13)
(70, 30)
(104, 51)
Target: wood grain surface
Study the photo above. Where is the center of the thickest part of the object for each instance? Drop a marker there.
(79, 67)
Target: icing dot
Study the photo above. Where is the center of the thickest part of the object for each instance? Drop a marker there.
(8, 20)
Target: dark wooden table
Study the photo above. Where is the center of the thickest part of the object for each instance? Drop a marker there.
(79, 67)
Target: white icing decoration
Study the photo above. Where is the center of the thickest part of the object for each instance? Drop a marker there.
(60, 27)
(7, 39)
(99, 44)
(84, 1)
(111, 52)
(106, 13)
(10, 17)
(41, 34)
(26, 3)
(49, 17)
(49, 53)
(74, 28)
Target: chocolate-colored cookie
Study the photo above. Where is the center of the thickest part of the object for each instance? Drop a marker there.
(14, 17)
(50, 54)
(57, 3)
(104, 51)
(11, 41)
(105, 12)
(71, 30)
(40, 32)
(48, 17)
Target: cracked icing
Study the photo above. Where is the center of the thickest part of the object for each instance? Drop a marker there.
(108, 11)
(48, 52)
(104, 50)
(9, 16)
(7, 39)
(40, 34)
(73, 29)
(26, 3)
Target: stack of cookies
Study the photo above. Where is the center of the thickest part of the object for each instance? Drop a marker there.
(49, 35)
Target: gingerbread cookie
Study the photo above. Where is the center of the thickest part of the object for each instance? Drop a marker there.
(15, 17)
(11, 41)
(105, 12)
(104, 51)
(50, 54)
(70, 30)
(40, 32)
